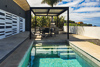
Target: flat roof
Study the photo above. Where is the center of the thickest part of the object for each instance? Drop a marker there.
(48, 11)
(23, 4)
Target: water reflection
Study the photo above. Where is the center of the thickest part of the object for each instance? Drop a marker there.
(51, 50)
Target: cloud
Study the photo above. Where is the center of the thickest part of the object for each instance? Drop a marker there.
(92, 0)
(88, 15)
(88, 7)
(85, 9)
(89, 4)
(36, 3)
(70, 4)
(81, 16)
(67, 0)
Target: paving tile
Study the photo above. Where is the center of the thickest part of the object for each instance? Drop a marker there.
(88, 47)
(10, 43)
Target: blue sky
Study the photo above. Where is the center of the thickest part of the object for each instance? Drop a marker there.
(87, 11)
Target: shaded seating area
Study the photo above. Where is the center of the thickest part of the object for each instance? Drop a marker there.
(45, 32)
(49, 11)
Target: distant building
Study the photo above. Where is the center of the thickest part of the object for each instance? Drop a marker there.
(79, 22)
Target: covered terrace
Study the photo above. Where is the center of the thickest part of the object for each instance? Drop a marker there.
(49, 11)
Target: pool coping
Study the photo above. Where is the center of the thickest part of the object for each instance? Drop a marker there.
(21, 64)
(85, 52)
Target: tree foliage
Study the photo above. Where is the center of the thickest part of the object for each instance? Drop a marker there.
(50, 2)
(60, 21)
(75, 24)
(45, 21)
(70, 21)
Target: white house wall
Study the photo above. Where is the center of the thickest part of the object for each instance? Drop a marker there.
(2, 24)
(89, 31)
(10, 24)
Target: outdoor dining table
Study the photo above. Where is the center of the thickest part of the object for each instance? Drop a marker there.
(46, 30)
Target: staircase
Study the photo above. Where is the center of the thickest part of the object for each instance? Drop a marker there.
(66, 53)
(62, 51)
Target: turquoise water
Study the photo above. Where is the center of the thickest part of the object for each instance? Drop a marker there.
(55, 62)
(55, 55)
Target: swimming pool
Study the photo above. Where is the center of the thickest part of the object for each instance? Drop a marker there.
(56, 55)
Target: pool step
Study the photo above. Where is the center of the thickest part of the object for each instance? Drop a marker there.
(63, 47)
(67, 55)
(58, 50)
(54, 51)
(64, 51)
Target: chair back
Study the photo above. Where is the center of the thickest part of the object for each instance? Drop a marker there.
(46, 30)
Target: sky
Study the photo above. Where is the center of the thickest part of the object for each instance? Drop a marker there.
(87, 11)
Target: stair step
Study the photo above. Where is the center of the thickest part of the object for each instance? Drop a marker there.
(59, 50)
(63, 47)
(37, 33)
(38, 37)
(67, 55)
(64, 51)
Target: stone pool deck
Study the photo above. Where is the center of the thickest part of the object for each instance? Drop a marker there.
(8, 45)
(18, 46)
(90, 48)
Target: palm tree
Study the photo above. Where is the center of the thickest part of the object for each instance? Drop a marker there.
(51, 2)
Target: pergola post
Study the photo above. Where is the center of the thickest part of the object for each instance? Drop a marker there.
(30, 22)
(68, 23)
(57, 21)
(35, 24)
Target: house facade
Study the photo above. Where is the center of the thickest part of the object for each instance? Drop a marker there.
(14, 18)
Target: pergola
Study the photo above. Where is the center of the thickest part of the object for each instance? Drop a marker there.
(49, 11)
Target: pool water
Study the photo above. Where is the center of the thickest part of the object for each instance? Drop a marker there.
(55, 55)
